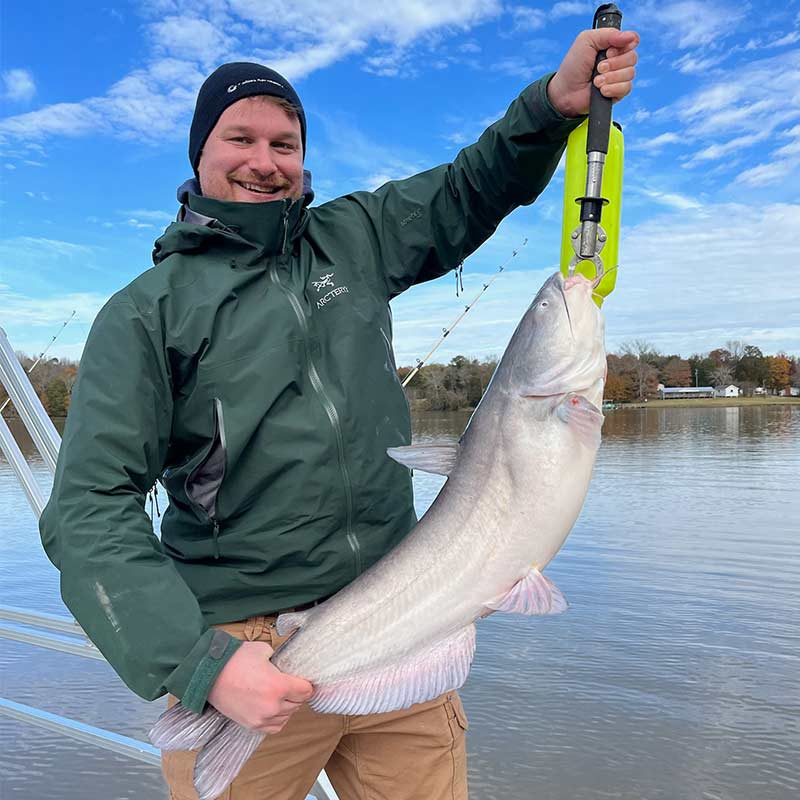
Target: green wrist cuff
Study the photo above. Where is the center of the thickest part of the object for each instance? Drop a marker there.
(220, 650)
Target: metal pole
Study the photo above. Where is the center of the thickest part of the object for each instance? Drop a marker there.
(10, 449)
(27, 404)
(115, 742)
(40, 619)
(77, 648)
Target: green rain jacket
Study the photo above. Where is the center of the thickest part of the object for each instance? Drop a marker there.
(251, 371)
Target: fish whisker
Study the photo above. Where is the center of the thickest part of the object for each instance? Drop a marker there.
(566, 308)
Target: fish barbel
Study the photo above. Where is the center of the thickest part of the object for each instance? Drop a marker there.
(403, 632)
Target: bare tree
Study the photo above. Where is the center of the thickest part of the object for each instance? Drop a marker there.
(645, 374)
(722, 376)
(736, 348)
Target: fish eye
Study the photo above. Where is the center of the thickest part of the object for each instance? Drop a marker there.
(544, 304)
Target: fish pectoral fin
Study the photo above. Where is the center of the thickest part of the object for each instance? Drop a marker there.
(422, 676)
(222, 759)
(583, 418)
(290, 622)
(437, 458)
(180, 729)
(534, 594)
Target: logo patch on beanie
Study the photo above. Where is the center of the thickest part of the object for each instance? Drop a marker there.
(234, 86)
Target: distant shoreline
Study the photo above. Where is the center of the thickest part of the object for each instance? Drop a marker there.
(715, 402)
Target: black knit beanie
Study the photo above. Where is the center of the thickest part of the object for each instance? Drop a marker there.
(229, 83)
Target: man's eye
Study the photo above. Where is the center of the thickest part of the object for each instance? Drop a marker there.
(284, 145)
(240, 139)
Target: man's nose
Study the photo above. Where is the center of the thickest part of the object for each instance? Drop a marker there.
(262, 159)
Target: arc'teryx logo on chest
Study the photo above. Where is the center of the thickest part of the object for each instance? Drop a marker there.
(324, 282)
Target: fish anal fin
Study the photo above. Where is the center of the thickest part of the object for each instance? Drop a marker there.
(436, 458)
(534, 594)
(583, 417)
(421, 677)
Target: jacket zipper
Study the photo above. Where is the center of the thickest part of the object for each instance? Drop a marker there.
(224, 444)
(200, 510)
(330, 410)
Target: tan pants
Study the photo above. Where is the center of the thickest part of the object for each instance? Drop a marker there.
(415, 754)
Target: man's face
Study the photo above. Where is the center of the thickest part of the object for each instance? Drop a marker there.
(254, 154)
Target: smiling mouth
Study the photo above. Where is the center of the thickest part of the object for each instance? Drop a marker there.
(265, 190)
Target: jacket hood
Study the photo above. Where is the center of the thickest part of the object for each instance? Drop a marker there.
(264, 228)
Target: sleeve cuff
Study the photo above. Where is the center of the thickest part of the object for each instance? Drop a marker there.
(213, 651)
(542, 110)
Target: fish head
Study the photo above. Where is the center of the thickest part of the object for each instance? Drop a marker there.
(559, 345)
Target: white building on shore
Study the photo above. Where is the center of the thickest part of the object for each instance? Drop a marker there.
(683, 392)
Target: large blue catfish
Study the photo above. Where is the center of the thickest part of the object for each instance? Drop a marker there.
(404, 632)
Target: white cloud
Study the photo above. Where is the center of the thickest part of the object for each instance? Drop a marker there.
(690, 23)
(18, 85)
(44, 247)
(20, 309)
(691, 64)
(773, 172)
(161, 217)
(688, 282)
(655, 143)
(190, 38)
(568, 9)
(673, 200)
(716, 151)
(155, 102)
(60, 119)
(528, 19)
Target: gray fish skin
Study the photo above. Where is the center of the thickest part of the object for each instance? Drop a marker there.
(517, 488)
(403, 631)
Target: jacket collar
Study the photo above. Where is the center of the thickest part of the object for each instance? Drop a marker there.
(269, 226)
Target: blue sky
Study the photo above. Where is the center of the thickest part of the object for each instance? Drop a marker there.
(97, 100)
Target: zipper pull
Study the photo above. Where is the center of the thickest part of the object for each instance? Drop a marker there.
(287, 207)
(215, 539)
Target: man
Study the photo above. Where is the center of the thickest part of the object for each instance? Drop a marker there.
(251, 371)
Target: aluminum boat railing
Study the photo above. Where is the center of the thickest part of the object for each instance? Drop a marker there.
(49, 630)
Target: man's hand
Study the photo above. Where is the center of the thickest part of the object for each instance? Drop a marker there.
(254, 693)
(568, 90)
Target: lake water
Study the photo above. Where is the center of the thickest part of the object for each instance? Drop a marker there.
(674, 674)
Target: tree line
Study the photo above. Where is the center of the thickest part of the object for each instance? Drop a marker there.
(635, 372)
(633, 376)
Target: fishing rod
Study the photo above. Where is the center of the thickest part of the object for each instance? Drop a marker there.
(41, 355)
(446, 331)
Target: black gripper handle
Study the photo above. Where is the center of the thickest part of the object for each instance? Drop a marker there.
(606, 16)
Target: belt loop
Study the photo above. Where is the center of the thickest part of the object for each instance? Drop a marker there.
(249, 629)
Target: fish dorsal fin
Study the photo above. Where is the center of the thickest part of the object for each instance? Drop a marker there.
(414, 679)
(533, 594)
(437, 458)
(583, 417)
(291, 621)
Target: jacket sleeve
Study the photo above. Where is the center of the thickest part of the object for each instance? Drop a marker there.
(115, 578)
(426, 225)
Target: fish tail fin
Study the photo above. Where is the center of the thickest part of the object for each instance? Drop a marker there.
(180, 729)
(222, 759)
